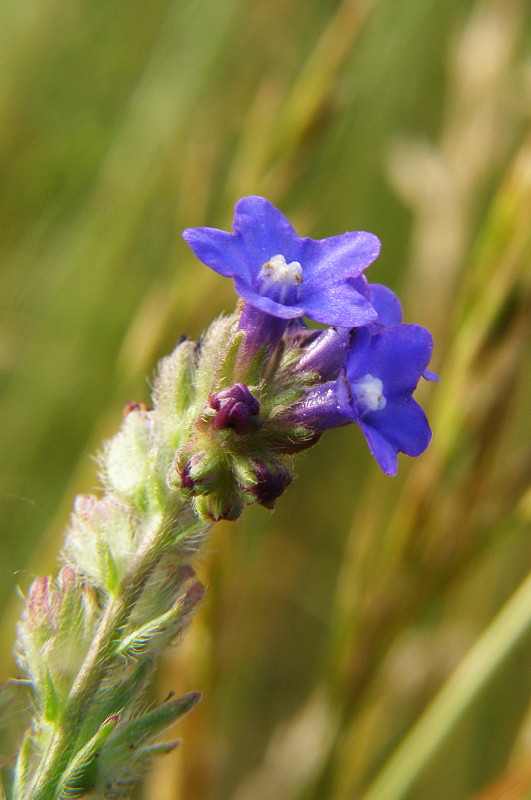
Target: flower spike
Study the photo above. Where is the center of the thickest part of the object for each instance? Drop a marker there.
(228, 414)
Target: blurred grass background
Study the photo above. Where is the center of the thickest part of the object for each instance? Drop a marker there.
(368, 639)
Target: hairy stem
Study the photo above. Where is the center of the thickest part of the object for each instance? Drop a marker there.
(99, 658)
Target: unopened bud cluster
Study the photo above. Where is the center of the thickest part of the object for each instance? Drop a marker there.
(241, 434)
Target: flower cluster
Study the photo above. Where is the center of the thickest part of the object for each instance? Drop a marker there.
(363, 369)
(228, 414)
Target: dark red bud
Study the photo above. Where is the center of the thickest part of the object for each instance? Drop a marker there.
(235, 408)
(185, 470)
(270, 483)
(187, 482)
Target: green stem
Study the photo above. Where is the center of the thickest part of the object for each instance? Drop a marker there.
(97, 661)
(473, 673)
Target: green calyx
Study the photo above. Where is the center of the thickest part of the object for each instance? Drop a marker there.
(241, 436)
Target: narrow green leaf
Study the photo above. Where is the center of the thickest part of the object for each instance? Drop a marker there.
(22, 769)
(133, 645)
(161, 749)
(216, 341)
(254, 373)
(112, 577)
(134, 734)
(52, 703)
(226, 372)
(143, 757)
(115, 695)
(80, 774)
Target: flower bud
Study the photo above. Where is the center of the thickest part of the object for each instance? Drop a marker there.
(326, 353)
(184, 473)
(43, 605)
(57, 626)
(271, 481)
(220, 505)
(235, 408)
(66, 580)
(196, 468)
(174, 393)
(128, 458)
(202, 470)
(101, 539)
(167, 582)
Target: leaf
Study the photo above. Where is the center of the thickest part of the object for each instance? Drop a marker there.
(79, 777)
(22, 768)
(136, 643)
(124, 757)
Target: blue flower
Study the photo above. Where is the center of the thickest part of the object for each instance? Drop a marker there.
(376, 389)
(287, 276)
(326, 352)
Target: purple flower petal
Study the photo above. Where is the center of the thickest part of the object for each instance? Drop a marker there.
(403, 424)
(387, 305)
(326, 353)
(429, 375)
(340, 305)
(217, 249)
(339, 257)
(398, 356)
(264, 232)
(323, 408)
(383, 451)
(265, 303)
(360, 341)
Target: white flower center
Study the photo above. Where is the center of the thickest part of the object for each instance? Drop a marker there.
(278, 271)
(369, 393)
